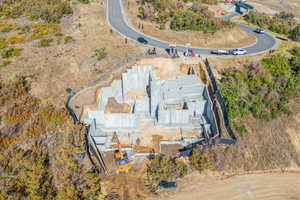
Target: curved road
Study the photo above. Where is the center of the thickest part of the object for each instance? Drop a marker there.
(116, 19)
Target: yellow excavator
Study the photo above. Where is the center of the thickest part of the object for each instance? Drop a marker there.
(120, 156)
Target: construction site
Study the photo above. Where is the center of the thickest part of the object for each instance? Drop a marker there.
(153, 110)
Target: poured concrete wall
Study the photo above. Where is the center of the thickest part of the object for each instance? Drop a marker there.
(173, 117)
(136, 78)
(164, 107)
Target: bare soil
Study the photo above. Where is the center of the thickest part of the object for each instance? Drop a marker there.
(130, 186)
(275, 6)
(269, 186)
(113, 106)
(227, 38)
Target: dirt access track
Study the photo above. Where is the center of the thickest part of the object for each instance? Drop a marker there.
(268, 186)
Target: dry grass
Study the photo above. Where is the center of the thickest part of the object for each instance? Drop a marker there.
(274, 6)
(266, 145)
(61, 66)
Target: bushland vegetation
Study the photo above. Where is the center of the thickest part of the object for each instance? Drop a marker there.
(100, 54)
(190, 20)
(295, 34)
(49, 11)
(180, 17)
(281, 23)
(163, 168)
(202, 161)
(11, 52)
(41, 20)
(13, 34)
(42, 151)
(262, 90)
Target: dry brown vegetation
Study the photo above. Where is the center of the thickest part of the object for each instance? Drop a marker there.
(42, 151)
(266, 145)
(71, 64)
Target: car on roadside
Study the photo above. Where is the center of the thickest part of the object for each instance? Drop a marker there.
(259, 30)
(168, 184)
(239, 51)
(220, 52)
(142, 40)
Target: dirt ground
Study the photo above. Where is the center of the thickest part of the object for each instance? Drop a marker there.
(231, 38)
(130, 186)
(72, 65)
(275, 6)
(269, 186)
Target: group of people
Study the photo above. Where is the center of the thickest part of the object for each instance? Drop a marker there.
(172, 52)
(151, 51)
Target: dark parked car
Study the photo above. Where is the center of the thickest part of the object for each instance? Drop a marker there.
(142, 40)
(220, 52)
(168, 184)
(259, 30)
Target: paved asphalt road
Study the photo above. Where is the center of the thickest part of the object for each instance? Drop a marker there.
(116, 19)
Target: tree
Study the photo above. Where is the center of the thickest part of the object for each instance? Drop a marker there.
(295, 34)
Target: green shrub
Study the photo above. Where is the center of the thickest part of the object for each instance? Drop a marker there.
(42, 29)
(142, 13)
(262, 90)
(296, 51)
(240, 128)
(6, 29)
(84, 1)
(68, 39)
(58, 34)
(162, 168)
(275, 24)
(3, 43)
(100, 54)
(197, 18)
(277, 64)
(295, 34)
(285, 16)
(11, 52)
(189, 20)
(4, 63)
(45, 42)
(201, 161)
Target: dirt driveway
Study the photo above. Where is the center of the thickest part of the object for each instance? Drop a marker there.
(271, 186)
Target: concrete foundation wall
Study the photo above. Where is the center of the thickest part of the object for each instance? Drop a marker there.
(183, 102)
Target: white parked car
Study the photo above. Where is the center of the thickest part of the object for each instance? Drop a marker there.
(239, 52)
